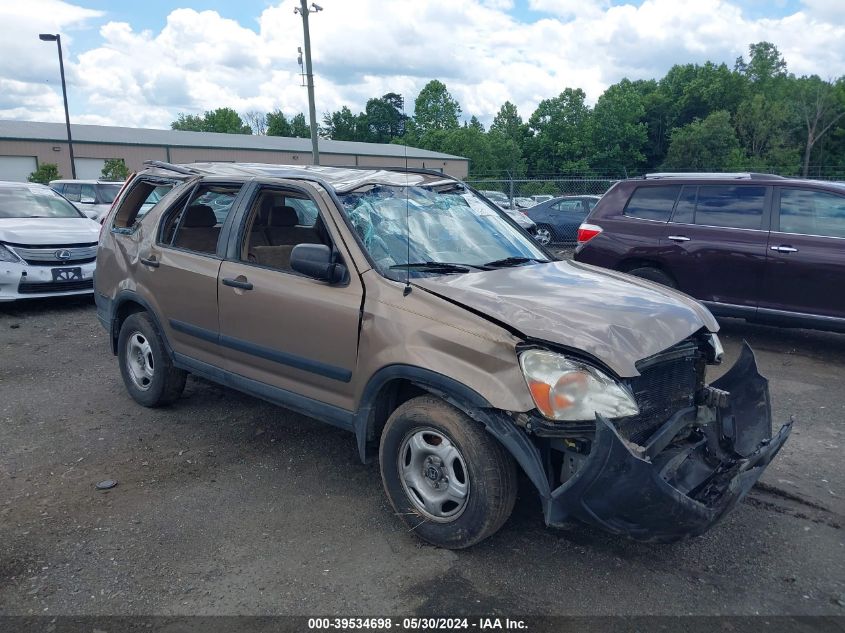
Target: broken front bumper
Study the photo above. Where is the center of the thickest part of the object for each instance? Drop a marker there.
(688, 474)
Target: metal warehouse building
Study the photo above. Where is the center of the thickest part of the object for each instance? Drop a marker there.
(25, 144)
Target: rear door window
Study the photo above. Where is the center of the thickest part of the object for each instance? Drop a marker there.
(808, 212)
(568, 205)
(71, 192)
(196, 226)
(88, 194)
(141, 197)
(685, 209)
(653, 203)
(737, 207)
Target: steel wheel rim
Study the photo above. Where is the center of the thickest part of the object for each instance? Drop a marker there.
(139, 360)
(544, 236)
(434, 475)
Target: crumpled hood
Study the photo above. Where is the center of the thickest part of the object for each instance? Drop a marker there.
(52, 231)
(614, 317)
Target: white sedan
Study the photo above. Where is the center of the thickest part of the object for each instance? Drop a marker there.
(47, 247)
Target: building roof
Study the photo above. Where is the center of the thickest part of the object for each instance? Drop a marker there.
(42, 131)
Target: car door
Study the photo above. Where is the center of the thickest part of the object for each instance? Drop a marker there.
(806, 265)
(177, 270)
(715, 244)
(278, 327)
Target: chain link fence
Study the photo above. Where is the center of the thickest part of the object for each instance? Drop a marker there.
(542, 188)
(556, 226)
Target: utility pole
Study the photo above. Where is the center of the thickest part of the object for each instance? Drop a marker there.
(303, 10)
(48, 37)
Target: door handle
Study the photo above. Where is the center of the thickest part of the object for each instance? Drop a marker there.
(150, 261)
(679, 238)
(237, 283)
(784, 249)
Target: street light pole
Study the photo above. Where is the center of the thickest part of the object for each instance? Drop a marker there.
(47, 37)
(303, 10)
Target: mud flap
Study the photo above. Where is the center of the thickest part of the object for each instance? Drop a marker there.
(621, 489)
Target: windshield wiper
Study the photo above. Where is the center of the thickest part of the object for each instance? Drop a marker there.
(440, 267)
(514, 261)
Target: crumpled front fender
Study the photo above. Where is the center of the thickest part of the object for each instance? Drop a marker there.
(665, 491)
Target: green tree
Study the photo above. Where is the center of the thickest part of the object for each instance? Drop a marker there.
(619, 134)
(658, 116)
(435, 109)
(820, 105)
(299, 128)
(762, 126)
(508, 123)
(384, 118)
(765, 63)
(560, 134)
(45, 173)
(223, 120)
(114, 169)
(709, 144)
(188, 123)
(227, 121)
(277, 124)
(471, 142)
(343, 125)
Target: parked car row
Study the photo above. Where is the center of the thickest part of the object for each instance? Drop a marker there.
(93, 197)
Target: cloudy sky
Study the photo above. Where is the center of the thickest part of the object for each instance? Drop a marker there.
(139, 63)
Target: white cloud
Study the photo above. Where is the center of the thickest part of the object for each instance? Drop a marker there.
(485, 55)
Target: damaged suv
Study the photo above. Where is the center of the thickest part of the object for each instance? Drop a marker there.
(399, 305)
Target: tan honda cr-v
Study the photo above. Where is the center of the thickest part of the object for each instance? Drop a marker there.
(399, 305)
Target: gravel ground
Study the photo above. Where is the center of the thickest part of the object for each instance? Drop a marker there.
(228, 505)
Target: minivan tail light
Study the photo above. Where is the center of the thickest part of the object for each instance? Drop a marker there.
(586, 232)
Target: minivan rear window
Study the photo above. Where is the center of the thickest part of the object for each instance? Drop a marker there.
(653, 203)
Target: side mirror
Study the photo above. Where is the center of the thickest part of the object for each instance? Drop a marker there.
(316, 261)
(87, 200)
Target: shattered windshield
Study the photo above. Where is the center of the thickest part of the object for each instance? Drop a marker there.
(424, 231)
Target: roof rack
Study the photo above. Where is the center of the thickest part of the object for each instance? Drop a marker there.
(712, 175)
(179, 169)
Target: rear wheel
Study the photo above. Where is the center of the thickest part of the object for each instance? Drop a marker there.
(448, 479)
(653, 274)
(543, 234)
(146, 368)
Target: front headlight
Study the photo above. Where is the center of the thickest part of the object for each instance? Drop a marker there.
(8, 256)
(567, 389)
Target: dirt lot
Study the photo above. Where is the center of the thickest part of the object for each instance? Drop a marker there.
(228, 505)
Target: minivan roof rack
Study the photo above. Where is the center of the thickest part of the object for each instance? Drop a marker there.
(179, 169)
(705, 175)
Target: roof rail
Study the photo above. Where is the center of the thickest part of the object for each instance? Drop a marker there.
(179, 169)
(712, 175)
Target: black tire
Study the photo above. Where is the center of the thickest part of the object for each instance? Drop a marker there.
(490, 475)
(653, 274)
(163, 383)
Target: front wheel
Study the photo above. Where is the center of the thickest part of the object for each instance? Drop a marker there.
(448, 479)
(148, 373)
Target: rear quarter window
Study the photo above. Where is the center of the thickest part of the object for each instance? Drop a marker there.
(652, 203)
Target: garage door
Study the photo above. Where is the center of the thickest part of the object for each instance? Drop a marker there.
(17, 167)
(89, 168)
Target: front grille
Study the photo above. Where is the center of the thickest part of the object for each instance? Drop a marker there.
(26, 287)
(49, 255)
(667, 382)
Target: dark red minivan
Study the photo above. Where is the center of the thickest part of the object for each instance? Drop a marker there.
(756, 246)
